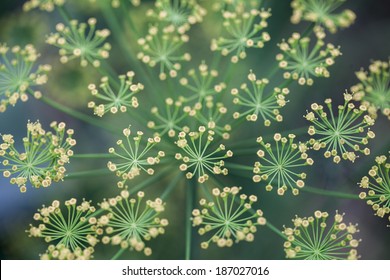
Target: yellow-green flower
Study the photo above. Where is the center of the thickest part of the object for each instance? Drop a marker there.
(227, 218)
(132, 156)
(343, 132)
(130, 222)
(376, 187)
(81, 41)
(198, 155)
(373, 91)
(75, 227)
(112, 100)
(322, 12)
(44, 5)
(42, 159)
(280, 164)
(317, 238)
(19, 74)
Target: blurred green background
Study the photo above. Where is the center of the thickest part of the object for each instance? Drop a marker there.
(367, 39)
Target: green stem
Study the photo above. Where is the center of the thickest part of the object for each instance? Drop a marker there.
(252, 141)
(97, 212)
(93, 156)
(118, 254)
(64, 14)
(77, 115)
(171, 186)
(245, 152)
(286, 83)
(148, 182)
(88, 173)
(308, 30)
(128, 18)
(329, 193)
(238, 166)
(115, 25)
(274, 229)
(106, 70)
(190, 199)
(273, 72)
(268, 224)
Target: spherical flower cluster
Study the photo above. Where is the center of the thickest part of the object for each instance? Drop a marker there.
(44, 5)
(373, 91)
(197, 155)
(115, 100)
(228, 218)
(201, 84)
(301, 61)
(130, 222)
(258, 103)
(180, 14)
(19, 74)
(242, 30)
(43, 158)
(76, 227)
(168, 121)
(162, 45)
(315, 238)
(278, 165)
(377, 187)
(322, 12)
(211, 115)
(81, 41)
(132, 158)
(343, 134)
(61, 252)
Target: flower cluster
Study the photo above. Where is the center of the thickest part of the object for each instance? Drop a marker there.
(242, 30)
(44, 5)
(163, 46)
(259, 103)
(168, 121)
(195, 111)
(198, 157)
(18, 74)
(130, 222)
(322, 12)
(201, 84)
(228, 218)
(75, 42)
(342, 134)
(180, 14)
(61, 252)
(132, 158)
(373, 91)
(313, 238)
(210, 115)
(301, 61)
(76, 227)
(277, 165)
(377, 187)
(115, 100)
(43, 158)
